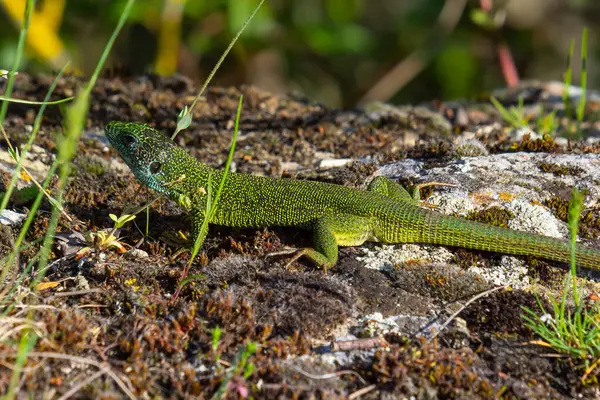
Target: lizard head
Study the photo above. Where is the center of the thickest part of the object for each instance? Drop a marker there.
(151, 156)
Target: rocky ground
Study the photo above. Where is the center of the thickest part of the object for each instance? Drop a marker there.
(378, 325)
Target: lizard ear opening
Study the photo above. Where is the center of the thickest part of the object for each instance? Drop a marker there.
(155, 167)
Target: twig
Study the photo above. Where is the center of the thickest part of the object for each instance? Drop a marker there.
(328, 376)
(507, 64)
(75, 293)
(41, 189)
(359, 344)
(21, 323)
(360, 392)
(471, 300)
(27, 307)
(92, 306)
(27, 370)
(81, 384)
(103, 367)
(283, 386)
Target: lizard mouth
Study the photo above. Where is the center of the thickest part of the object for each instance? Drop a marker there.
(122, 141)
(114, 130)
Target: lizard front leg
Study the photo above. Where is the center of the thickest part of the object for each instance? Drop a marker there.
(332, 231)
(387, 187)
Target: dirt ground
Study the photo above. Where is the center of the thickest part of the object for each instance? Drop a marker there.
(113, 313)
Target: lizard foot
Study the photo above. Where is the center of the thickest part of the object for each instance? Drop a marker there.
(308, 252)
(286, 252)
(426, 184)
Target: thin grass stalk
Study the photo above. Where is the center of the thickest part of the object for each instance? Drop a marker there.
(36, 127)
(17, 245)
(583, 83)
(76, 117)
(29, 6)
(567, 83)
(211, 203)
(218, 64)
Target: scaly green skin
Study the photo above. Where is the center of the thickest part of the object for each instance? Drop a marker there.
(337, 216)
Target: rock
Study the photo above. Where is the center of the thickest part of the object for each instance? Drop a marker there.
(10, 218)
(520, 183)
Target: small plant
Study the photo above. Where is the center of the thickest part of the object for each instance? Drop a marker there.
(568, 77)
(24, 174)
(469, 148)
(211, 203)
(236, 377)
(515, 116)
(547, 124)
(184, 119)
(67, 148)
(121, 221)
(104, 240)
(577, 332)
(4, 73)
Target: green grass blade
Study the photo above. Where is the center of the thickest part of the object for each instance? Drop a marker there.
(28, 340)
(583, 83)
(184, 118)
(211, 205)
(24, 229)
(17, 61)
(575, 207)
(568, 80)
(75, 120)
(32, 136)
(41, 103)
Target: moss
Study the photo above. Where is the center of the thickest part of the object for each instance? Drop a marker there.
(467, 258)
(426, 191)
(543, 145)
(411, 370)
(559, 170)
(496, 216)
(500, 312)
(589, 224)
(469, 148)
(436, 280)
(90, 166)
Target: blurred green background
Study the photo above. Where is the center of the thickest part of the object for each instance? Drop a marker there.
(333, 51)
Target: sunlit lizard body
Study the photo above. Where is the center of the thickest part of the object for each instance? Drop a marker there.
(336, 215)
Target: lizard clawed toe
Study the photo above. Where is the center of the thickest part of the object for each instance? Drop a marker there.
(297, 254)
(284, 252)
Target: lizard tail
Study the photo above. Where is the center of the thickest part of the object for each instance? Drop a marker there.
(452, 231)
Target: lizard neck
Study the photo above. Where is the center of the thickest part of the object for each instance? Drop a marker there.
(186, 180)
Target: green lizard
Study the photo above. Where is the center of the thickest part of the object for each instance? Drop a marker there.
(336, 215)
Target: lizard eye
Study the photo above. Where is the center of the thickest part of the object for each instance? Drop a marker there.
(128, 140)
(155, 167)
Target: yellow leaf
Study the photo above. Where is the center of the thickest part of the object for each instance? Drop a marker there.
(540, 343)
(46, 285)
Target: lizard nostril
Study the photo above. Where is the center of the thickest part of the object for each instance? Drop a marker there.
(128, 140)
